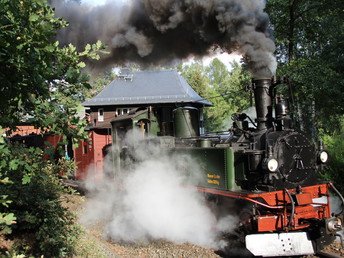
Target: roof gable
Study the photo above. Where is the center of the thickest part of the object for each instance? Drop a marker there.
(147, 87)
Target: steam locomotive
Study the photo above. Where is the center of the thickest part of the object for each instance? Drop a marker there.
(265, 171)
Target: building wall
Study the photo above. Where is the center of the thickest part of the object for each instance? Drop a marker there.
(83, 156)
(89, 155)
(101, 139)
(109, 114)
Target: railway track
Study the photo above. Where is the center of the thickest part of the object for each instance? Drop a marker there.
(327, 255)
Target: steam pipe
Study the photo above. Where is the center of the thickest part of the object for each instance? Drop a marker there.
(292, 209)
(263, 100)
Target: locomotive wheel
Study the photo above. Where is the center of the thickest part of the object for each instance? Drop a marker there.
(234, 248)
(235, 241)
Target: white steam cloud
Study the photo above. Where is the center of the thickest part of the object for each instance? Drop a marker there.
(149, 202)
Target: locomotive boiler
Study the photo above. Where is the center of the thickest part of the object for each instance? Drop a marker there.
(265, 171)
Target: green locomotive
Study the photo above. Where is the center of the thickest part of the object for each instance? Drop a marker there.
(267, 167)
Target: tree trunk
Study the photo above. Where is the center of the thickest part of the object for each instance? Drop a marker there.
(292, 9)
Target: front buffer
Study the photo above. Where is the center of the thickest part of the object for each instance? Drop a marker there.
(287, 222)
(279, 244)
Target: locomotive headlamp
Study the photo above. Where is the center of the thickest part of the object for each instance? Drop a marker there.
(272, 165)
(323, 156)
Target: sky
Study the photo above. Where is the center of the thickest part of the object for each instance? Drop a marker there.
(95, 2)
(224, 57)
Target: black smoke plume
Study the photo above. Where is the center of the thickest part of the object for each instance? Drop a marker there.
(157, 32)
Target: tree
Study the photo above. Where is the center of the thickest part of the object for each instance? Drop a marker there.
(218, 75)
(224, 89)
(335, 145)
(195, 75)
(231, 85)
(309, 39)
(308, 36)
(36, 73)
(98, 83)
(40, 83)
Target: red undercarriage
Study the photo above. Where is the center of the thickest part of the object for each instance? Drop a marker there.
(285, 210)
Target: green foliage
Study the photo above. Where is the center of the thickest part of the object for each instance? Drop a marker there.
(6, 220)
(40, 80)
(98, 83)
(309, 38)
(41, 83)
(195, 75)
(34, 192)
(65, 168)
(335, 146)
(315, 85)
(224, 89)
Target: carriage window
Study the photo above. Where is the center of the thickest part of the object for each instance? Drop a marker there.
(101, 115)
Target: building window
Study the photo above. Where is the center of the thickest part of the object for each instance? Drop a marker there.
(100, 114)
(84, 148)
(122, 111)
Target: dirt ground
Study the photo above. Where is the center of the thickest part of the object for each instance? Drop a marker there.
(92, 244)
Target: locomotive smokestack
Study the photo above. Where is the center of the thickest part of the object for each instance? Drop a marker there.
(263, 98)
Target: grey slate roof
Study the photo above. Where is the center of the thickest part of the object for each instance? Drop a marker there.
(147, 87)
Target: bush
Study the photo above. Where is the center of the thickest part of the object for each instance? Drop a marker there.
(335, 147)
(65, 168)
(33, 192)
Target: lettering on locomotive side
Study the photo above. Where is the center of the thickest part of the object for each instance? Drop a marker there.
(214, 176)
(213, 179)
(215, 182)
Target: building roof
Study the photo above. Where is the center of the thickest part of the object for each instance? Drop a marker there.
(147, 87)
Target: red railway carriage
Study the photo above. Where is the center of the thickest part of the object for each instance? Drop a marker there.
(32, 137)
